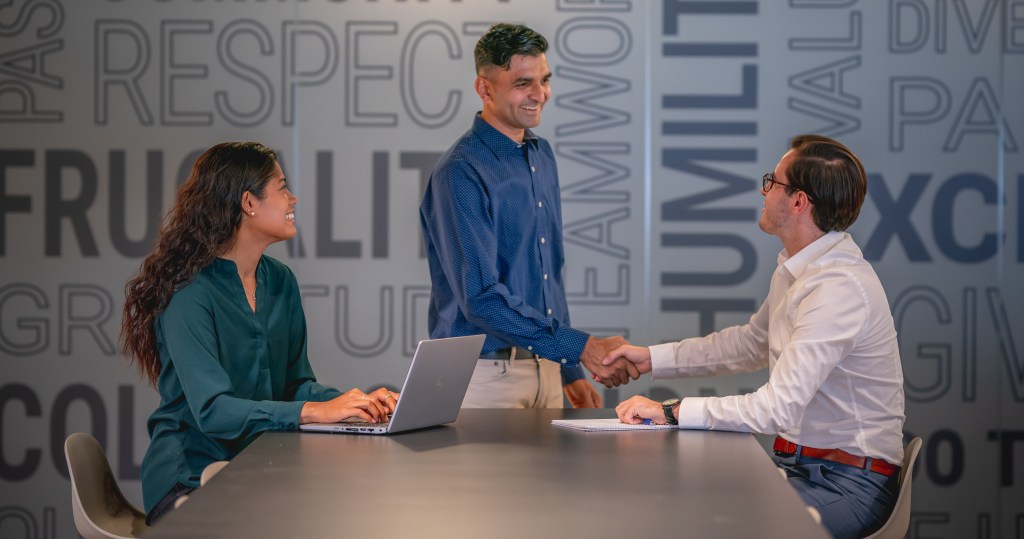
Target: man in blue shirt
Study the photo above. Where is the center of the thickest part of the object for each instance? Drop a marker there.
(492, 223)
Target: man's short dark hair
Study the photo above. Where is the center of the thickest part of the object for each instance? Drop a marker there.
(833, 178)
(503, 41)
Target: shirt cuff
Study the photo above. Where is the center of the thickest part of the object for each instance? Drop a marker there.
(662, 360)
(570, 346)
(692, 411)
(287, 414)
(571, 374)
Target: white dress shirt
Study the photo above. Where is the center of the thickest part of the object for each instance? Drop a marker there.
(827, 336)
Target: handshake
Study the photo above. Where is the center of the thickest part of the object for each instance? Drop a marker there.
(613, 361)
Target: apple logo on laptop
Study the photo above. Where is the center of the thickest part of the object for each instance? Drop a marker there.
(439, 383)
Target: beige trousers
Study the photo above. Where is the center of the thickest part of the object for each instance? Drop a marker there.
(520, 383)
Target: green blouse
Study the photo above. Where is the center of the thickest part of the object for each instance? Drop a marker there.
(227, 374)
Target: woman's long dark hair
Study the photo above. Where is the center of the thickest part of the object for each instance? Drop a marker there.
(201, 224)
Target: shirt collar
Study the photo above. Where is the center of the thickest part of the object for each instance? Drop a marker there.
(225, 267)
(498, 142)
(799, 262)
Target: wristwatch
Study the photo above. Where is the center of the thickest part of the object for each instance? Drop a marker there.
(668, 405)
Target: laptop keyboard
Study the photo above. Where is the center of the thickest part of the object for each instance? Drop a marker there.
(366, 424)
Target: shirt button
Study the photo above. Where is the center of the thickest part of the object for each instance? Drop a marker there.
(530, 348)
(549, 312)
(533, 168)
(545, 276)
(542, 240)
(564, 361)
(540, 204)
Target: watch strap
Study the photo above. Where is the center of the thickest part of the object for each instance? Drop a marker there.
(670, 416)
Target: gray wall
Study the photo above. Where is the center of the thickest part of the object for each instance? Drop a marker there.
(665, 115)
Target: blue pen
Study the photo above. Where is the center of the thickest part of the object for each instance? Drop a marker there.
(647, 421)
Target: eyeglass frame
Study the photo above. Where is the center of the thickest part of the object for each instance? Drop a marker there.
(768, 181)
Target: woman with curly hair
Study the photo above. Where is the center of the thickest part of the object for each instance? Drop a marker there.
(218, 328)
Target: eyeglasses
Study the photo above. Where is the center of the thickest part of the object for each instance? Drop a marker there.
(768, 181)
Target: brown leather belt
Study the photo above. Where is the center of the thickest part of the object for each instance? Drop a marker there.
(785, 448)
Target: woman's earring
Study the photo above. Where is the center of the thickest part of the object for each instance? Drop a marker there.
(252, 213)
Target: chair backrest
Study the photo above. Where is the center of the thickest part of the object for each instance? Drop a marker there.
(899, 521)
(100, 509)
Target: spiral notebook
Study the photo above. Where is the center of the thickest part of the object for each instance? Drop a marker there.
(596, 425)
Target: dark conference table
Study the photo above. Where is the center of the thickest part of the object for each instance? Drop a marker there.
(497, 473)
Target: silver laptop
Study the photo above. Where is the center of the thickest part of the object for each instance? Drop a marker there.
(433, 391)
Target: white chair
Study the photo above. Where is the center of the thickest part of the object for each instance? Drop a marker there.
(899, 521)
(211, 470)
(100, 509)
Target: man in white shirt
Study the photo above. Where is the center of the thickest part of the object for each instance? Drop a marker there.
(834, 395)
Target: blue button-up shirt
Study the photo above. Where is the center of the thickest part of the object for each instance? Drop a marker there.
(492, 223)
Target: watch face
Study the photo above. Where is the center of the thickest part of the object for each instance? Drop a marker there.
(670, 402)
